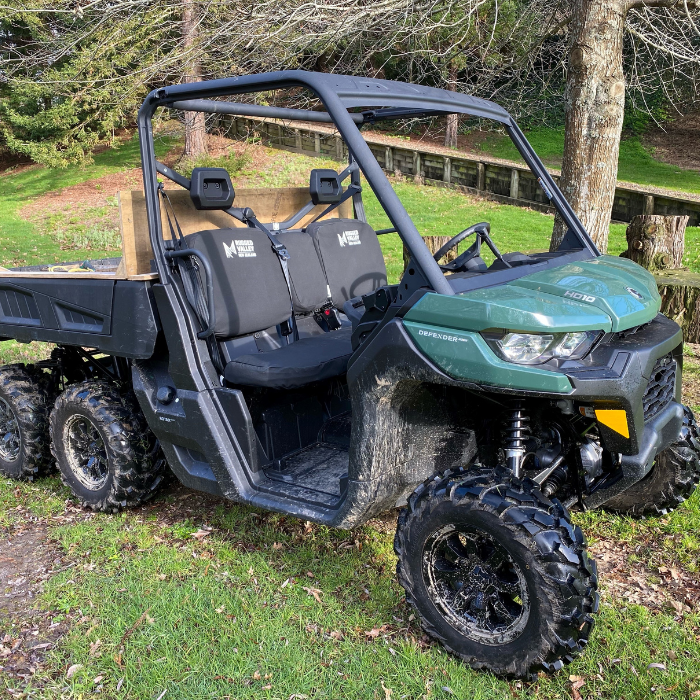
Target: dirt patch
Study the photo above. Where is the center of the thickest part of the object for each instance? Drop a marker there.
(434, 138)
(676, 142)
(75, 199)
(94, 202)
(27, 559)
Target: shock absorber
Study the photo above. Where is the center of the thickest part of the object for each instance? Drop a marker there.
(516, 431)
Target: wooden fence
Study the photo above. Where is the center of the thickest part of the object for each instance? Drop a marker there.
(508, 184)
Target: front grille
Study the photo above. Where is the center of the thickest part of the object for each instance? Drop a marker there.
(661, 388)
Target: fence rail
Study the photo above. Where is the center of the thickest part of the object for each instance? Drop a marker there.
(508, 184)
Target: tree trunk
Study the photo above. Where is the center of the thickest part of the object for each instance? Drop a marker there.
(434, 244)
(595, 101)
(680, 301)
(195, 122)
(656, 242)
(452, 120)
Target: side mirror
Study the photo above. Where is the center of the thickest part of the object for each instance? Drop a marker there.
(211, 188)
(325, 186)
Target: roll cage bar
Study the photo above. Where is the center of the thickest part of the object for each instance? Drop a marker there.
(338, 93)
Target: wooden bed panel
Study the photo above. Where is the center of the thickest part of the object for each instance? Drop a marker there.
(271, 205)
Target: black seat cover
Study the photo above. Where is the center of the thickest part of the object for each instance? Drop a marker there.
(250, 292)
(351, 257)
(302, 362)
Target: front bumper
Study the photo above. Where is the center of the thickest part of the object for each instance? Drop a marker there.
(615, 376)
(658, 434)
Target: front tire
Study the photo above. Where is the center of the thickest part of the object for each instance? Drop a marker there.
(496, 572)
(672, 479)
(104, 449)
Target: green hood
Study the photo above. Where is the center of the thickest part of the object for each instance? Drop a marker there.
(590, 295)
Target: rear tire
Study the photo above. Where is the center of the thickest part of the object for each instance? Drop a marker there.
(104, 449)
(672, 479)
(496, 572)
(24, 434)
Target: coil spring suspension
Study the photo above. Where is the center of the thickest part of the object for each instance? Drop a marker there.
(516, 431)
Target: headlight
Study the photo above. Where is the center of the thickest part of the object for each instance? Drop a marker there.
(535, 348)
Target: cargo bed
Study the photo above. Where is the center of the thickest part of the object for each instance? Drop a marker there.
(98, 309)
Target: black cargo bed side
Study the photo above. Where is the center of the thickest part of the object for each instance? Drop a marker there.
(115, 316)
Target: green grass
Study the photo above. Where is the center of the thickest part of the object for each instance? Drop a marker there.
(20, 241)
(438, 211)
(636, 162)
(229, 615)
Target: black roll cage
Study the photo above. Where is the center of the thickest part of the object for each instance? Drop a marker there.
(338, 93)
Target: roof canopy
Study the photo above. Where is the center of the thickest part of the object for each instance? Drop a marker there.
(395, 100)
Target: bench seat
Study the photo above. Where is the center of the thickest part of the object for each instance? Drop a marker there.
(305, 361)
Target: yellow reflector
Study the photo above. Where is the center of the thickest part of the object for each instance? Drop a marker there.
(615, 420)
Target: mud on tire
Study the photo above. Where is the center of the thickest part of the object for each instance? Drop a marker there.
(512, 590)
(24, 432)
(104, 449)
(672, 479)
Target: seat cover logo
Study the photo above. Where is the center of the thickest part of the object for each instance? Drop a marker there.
(349, 238)
(240, 249)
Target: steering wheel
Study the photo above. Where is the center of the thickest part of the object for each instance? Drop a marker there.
(461, 262)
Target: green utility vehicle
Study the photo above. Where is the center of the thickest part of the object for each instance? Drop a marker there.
(250, 343)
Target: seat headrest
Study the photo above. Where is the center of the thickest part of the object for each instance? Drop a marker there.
(211, 188)
(325, 186)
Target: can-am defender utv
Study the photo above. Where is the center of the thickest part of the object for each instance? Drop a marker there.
(275, 366)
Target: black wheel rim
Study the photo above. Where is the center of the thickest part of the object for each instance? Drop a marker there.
(85, 452)
(475, 584)
(10, 437)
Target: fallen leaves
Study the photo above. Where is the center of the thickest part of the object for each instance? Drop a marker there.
(73, 670)
(133, 627)
(626, 578)
(577, 682)
(315, 592)
(201, 534)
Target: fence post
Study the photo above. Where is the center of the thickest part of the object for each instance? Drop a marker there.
(514, 183)
(317, 143)
(389, 159)
(447, 170)
(480, 176)
(338, 149)
(648, 204)
(416, 166)
(297, 139)
(280, 135)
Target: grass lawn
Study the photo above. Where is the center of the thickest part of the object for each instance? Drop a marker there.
(20, 242)
(194, 597)
(636, 163)
(207, 599)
